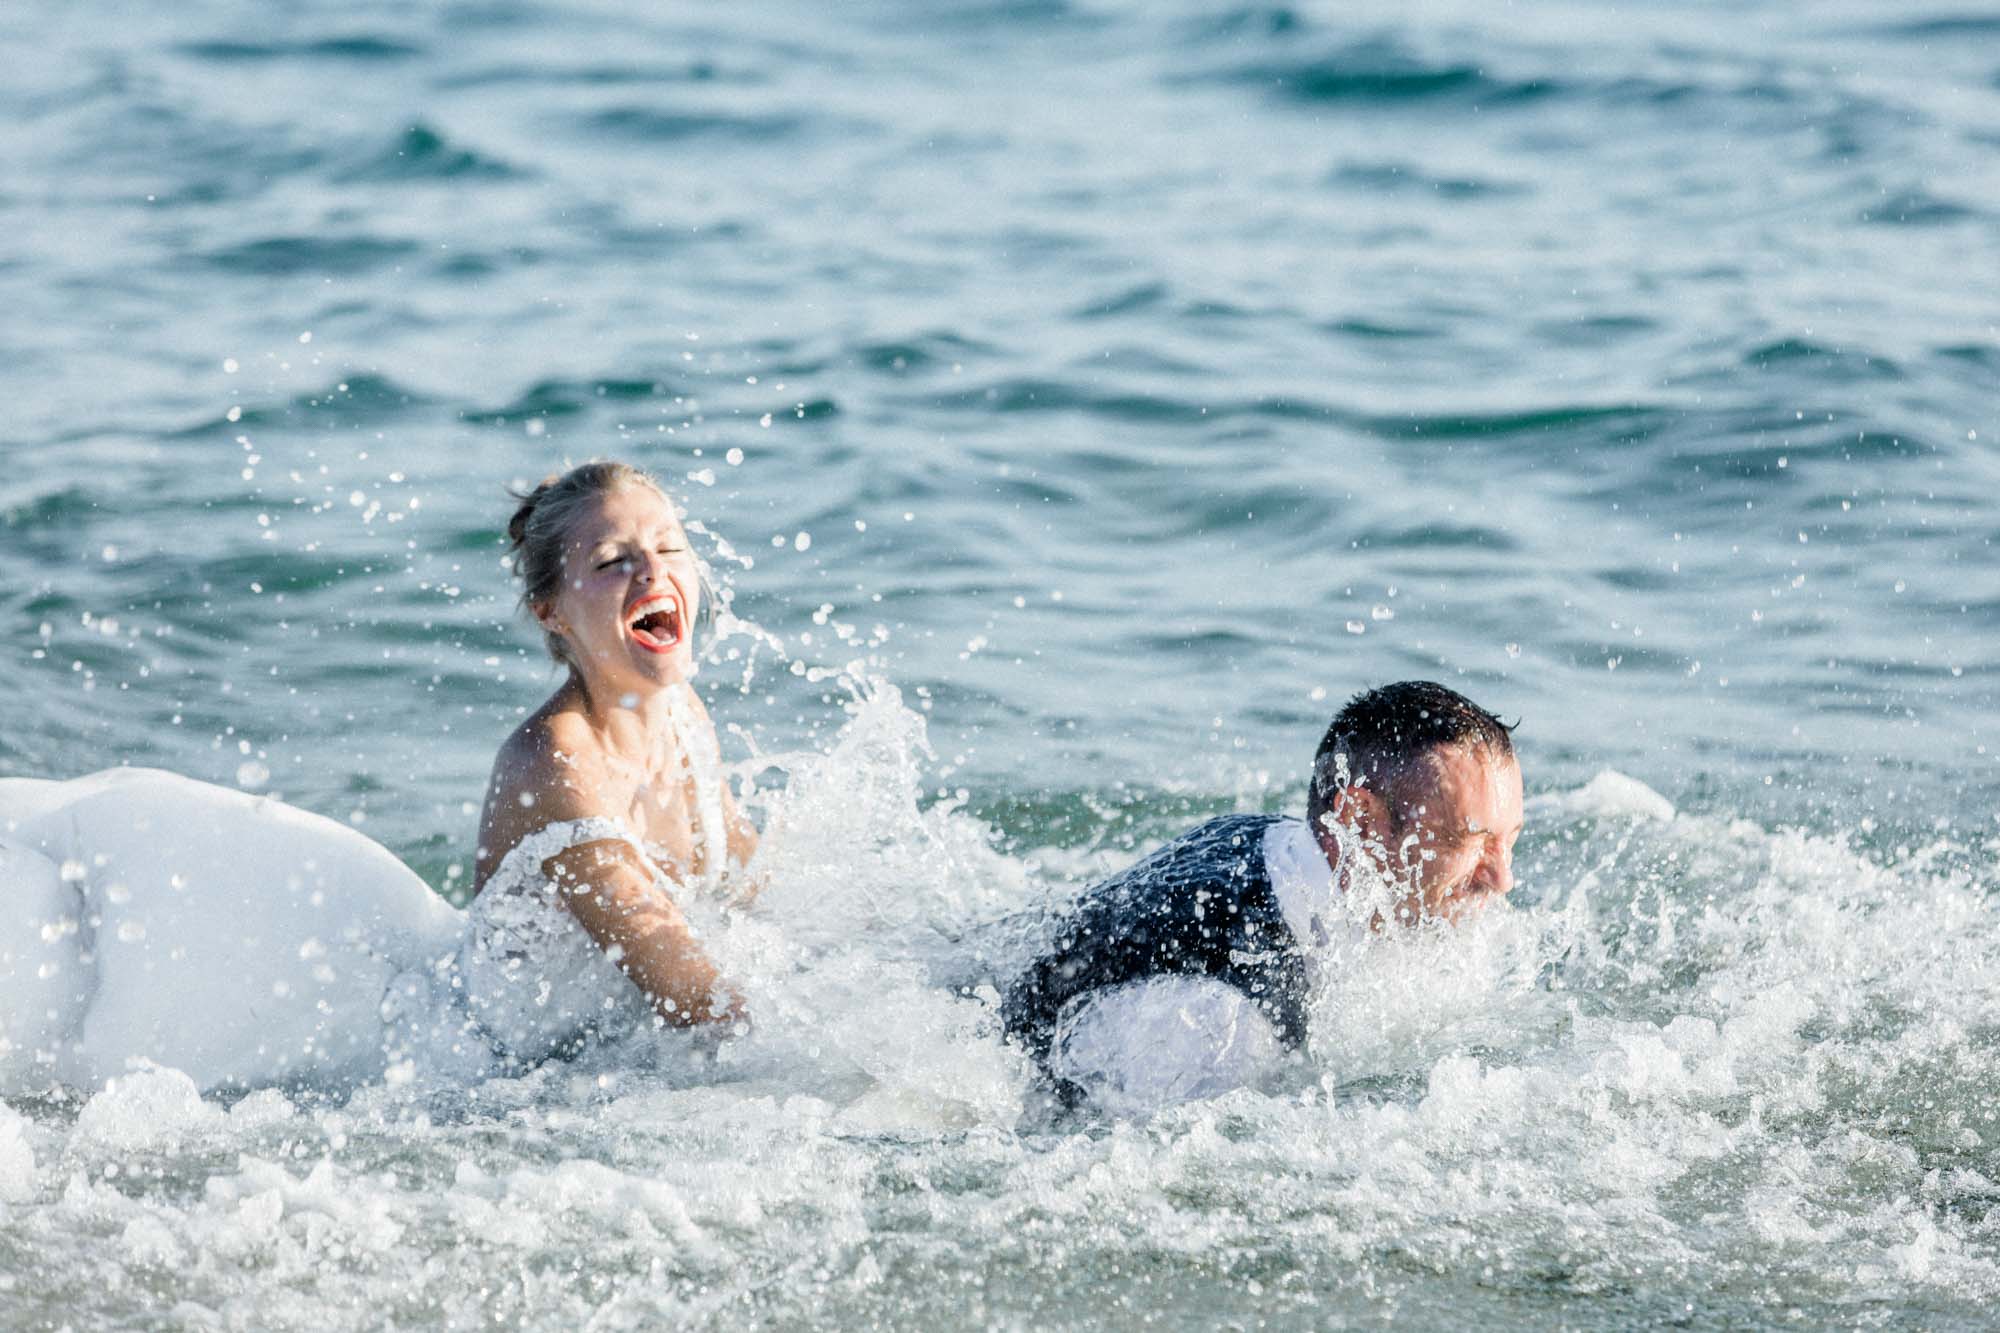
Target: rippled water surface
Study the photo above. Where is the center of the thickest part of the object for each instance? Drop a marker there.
(1083, 399)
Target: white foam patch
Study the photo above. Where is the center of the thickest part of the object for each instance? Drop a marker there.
(145, 1109)
(17, 1157)
(849, 854)
(1609, 795)
(1397, 1001)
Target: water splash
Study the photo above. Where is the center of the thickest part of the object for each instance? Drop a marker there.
(1697, 1056)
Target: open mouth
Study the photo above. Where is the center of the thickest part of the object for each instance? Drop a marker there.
(656, 625)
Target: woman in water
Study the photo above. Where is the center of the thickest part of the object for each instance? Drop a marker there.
(244, 942)
(607, 804)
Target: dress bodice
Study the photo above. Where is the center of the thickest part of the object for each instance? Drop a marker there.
(533, 977)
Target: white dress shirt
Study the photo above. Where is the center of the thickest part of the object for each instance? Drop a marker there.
(1153, 1043)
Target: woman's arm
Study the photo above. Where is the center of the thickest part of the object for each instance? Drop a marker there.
(616, 898)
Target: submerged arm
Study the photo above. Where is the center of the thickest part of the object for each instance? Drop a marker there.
(625, 908)
(1151, 1044)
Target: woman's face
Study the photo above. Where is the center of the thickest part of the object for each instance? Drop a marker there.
(629, 595)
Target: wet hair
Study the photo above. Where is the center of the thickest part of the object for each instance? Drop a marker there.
(1385, 738)
(540, 529)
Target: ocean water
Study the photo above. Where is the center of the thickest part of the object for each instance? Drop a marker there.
(1079, 400)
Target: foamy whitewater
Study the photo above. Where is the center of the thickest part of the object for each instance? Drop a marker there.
(1614, 1089)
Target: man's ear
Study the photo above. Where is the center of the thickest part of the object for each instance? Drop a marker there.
(1361, 809)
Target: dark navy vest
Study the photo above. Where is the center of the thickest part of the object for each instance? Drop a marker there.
(1200, 906)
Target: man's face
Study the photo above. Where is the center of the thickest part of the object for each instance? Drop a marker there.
(1453, 850)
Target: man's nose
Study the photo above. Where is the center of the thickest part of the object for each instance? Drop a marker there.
(1497, 872)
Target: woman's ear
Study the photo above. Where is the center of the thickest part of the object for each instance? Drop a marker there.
(545, 616)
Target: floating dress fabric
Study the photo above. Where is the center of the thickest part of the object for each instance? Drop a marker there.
(148, 916)
(533, 979)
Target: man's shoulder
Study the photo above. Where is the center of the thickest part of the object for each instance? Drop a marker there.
(1228, 849)
(1243, 833)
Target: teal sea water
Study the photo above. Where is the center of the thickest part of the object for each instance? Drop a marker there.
(1080, 401)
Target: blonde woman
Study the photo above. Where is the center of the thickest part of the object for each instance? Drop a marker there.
(606, 807)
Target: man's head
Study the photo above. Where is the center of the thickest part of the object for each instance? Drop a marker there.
(1427, 780)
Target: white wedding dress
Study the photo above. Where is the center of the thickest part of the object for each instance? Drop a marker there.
(148, 917)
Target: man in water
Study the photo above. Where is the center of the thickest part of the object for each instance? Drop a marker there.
(1188, 973)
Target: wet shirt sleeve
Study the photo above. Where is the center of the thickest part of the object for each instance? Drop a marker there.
(1154, 1043)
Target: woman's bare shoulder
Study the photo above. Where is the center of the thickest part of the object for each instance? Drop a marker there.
(553, 748)
(550, 770)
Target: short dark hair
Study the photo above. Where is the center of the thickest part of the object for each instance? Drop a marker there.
(1383, 735)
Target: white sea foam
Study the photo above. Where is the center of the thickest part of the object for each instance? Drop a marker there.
(1609, 795)
(17, 1157)
(147, 1108)
(1694, 1053)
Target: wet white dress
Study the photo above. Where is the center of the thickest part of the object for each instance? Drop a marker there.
(532, 978)
(145, 916)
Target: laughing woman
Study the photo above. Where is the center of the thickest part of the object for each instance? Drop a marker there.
(607, 806)
(245, 942)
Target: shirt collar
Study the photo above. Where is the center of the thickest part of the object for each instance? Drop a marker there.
(1303, 883)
